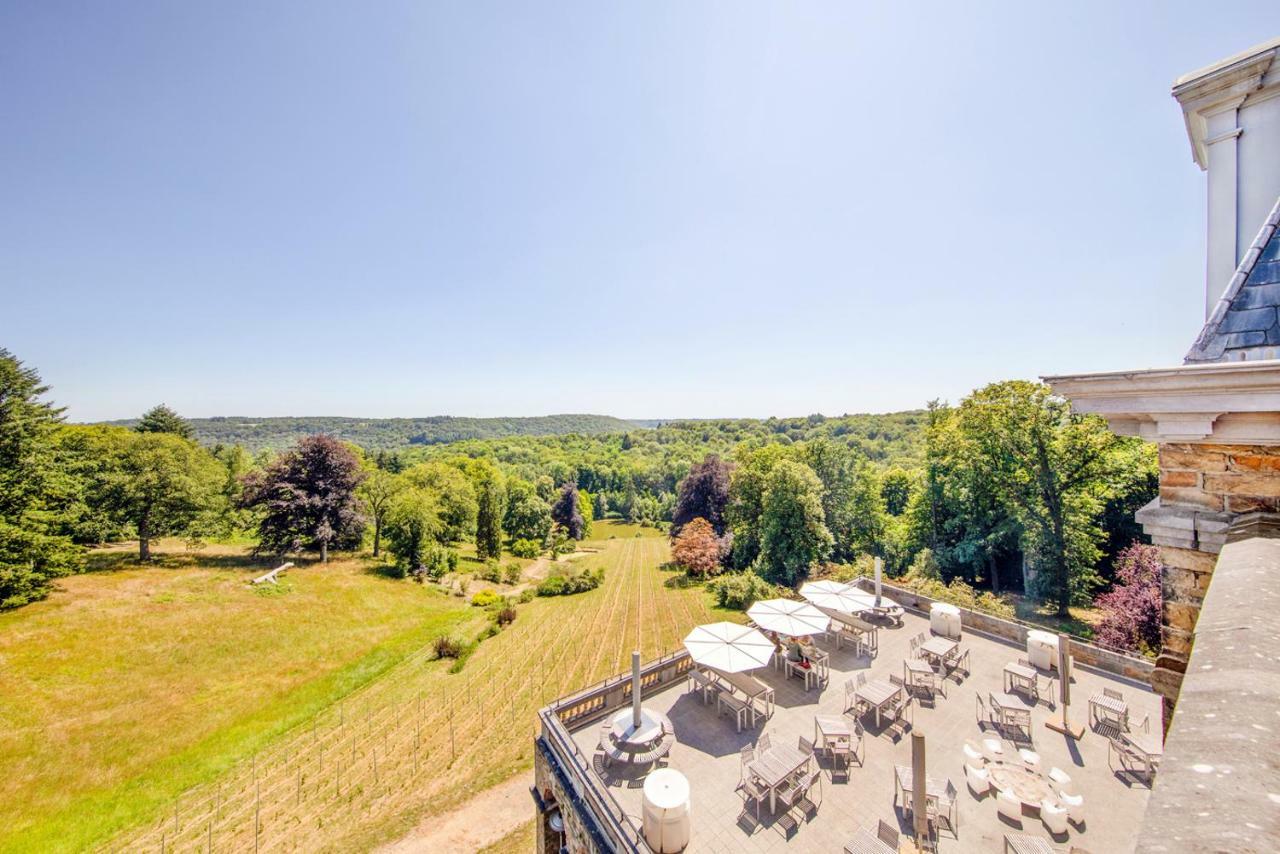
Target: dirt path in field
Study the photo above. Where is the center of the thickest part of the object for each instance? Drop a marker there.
(479, 822)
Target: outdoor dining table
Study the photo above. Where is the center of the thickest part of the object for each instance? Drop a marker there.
(917, 672)
(1111, 706)
(866, 842)
(905, 778)
(750, 686)
(1024, 843)
(817, 671)
(830, 729)
(1020, 676)
(878, 693)
(1012, 708)
(938, 648)
(1026, 785)
(775, 766)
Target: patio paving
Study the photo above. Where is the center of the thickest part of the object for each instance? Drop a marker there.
(707, 746)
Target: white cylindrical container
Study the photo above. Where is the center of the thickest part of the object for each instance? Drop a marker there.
(667, 823)
(944, 619)
(1042, 649)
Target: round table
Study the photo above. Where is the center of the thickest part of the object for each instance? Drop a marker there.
(1025, 785)
(627, 736)
(667, 823)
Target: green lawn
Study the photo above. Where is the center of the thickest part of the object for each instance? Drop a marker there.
(126, 687)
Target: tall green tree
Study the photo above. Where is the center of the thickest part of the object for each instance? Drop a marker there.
(793, 531)
(528, 517)
(489, 510)
(378, 489)
(307, 497)
(413, 526)
(454, 492)
(851, 502)
(746, 500)
(1054, 468)
(32, 551)
(161, 484)
(162, 419)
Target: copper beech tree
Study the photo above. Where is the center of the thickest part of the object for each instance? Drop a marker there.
(697, 548)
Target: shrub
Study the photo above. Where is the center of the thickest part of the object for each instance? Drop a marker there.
(511, 573)
(697, 548)
(527, 595)
(924, 567)
(565, 585)
(491, 572)
(1131, 611)
(485, 598)
(448, 647)
(526, 548)
(738, 590)
(506, 615)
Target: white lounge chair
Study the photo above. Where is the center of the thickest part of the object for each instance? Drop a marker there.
(1009, 807)
(972, 755)
(1054, 817)
(979, 779)
(1061, 781)
(992, 749)
(1075, 807)
(1030, 759)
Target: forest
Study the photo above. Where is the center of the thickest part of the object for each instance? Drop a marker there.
(970, 493)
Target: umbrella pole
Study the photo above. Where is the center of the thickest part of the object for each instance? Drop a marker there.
(635, 689)
(879, 567)
(919, 796)
(1064, 692)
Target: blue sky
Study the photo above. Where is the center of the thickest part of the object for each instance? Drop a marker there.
(643, 209)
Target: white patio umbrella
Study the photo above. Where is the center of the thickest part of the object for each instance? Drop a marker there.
(786, 617)
(834, 596)
(728, 647)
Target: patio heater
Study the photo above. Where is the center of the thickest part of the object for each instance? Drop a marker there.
(879, 567)
(1064, 691)
(919, 792)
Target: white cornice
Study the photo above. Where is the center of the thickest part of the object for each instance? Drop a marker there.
(1214, 88)
(1236, 402)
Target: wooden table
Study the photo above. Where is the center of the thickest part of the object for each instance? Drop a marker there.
(1021, 676)
(829, 728)
(866, 842)
(1022, 843)
(775, 766)
(1109, 706)
(906, 777)
(917, 672)
(938, 648)
(878, 693)
(750, 686)
(1021, 782)
(1014, 709)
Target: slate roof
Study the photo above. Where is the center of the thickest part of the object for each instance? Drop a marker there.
(1245, 324)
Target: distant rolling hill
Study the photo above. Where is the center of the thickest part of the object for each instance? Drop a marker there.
(390, 433)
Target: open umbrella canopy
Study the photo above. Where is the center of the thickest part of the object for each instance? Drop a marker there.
(728, 647)
(835, 596)
(793, 619)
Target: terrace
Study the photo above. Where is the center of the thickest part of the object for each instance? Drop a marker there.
(707, 747)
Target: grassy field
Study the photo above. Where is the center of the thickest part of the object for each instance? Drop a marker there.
(127, 687)
(175, 705)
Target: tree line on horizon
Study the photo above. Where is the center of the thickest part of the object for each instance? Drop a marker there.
(952, 492)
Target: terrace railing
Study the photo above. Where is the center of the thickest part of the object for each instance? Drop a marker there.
(592, 703)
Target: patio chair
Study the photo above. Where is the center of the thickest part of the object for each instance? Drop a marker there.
(811, 780)
(849, 691)
(1075, 807)
(888, 834)
(1009, 807)
(1030, 759)
(1061, 781)
(1054, 817)
(1113, 694)
(862, 679)
(895, 680)
(763, 743)
(972, 755)
(979, 780)
(751, 791)
(993, 749)
(1024, 662)
(805, 746)
(946, 810)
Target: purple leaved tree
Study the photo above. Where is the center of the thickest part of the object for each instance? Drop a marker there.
(1131, 610)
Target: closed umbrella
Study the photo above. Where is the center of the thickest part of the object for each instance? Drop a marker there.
(728, 647)
(786, 617)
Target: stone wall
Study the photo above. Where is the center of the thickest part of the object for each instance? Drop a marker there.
(1204, 488)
